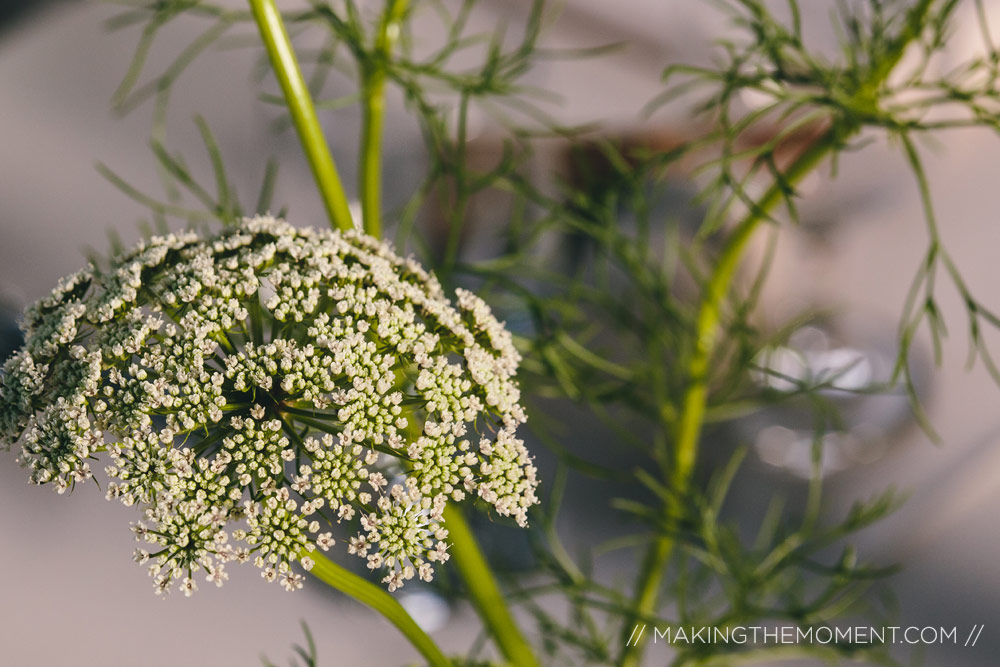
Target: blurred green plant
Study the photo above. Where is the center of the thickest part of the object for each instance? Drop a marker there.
(307, 653)
(653, 339)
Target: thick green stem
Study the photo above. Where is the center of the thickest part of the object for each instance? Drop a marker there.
(484, 591)
(692, 414)
(373, 87)
(373, 596)
(300, 106)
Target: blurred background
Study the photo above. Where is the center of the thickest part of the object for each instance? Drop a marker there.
(69, 591)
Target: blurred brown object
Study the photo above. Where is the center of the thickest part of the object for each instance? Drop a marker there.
(588, 163)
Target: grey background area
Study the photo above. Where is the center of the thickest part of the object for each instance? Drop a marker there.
(69, 593)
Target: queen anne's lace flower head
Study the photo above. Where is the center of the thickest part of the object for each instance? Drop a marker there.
(249, 385)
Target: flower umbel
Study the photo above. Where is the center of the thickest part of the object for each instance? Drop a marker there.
(250, 385)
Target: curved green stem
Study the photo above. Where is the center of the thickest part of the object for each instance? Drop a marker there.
(484, 591)
(475, 572)
(300, 106)
(374, 597)
(692, 414)
(373, 86)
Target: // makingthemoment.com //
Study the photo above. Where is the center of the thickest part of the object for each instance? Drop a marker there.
(774, 635)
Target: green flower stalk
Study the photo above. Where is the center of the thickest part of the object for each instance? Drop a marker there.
(253, 386)
(303, 112)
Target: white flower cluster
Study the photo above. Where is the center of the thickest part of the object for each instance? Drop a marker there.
(251, 385)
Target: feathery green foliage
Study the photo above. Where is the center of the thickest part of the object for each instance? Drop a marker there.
(628, 312)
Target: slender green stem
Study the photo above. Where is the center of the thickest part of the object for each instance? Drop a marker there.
(300, 106)
(373, 87)
(461, 193)
(692, 414)
(484, 591)
(372, 596)
(468, 558)
(475, 572)
(371, 157)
